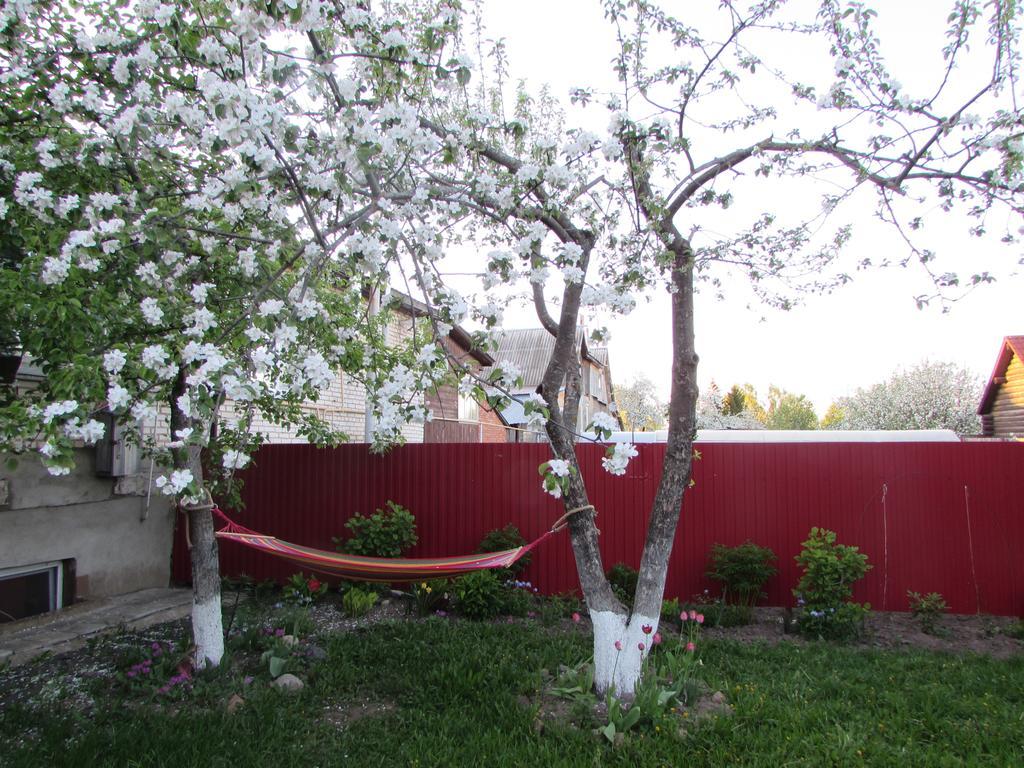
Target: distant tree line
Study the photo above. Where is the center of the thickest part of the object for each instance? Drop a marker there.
(926, 396)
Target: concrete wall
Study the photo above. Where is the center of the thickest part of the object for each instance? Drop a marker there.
(118, 545)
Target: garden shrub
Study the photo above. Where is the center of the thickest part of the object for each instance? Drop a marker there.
(928, 608)
(358, 602)
(385, 533)
(501, 539)
(824, 591)
(516, 601)
(623, 581)
(479, 595)
(743, 571)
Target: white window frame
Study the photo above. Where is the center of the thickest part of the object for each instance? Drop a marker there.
(56, 572)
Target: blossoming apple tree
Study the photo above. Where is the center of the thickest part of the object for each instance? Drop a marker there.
(191, 213)
(197, 196)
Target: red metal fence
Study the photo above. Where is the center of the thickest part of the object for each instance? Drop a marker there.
(943, 517)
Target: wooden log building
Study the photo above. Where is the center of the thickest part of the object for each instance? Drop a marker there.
(1002, 403)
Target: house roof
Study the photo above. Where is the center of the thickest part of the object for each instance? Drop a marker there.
(529, 349)
(459, 335)
(1012, 345)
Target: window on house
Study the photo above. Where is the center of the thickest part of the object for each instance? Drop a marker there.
(597, 383)
(30, 590)
(469, 409)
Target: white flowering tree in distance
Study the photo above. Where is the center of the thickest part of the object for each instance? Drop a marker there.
(929, 395)
(196, 196)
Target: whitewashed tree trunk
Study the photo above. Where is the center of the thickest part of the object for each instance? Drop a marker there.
(619, 667)
(618, 655)
(207, 621)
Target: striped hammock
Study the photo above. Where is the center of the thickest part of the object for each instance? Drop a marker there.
(381, 569)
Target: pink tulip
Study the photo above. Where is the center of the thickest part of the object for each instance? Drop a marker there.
(647, 629)
(683, 616)
(691, 647)
(693, 615)
(576, 618)
(640, 646)
(700, 618)
(657, 638)
(618, 645)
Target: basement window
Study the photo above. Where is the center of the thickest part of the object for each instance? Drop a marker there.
(30, 590)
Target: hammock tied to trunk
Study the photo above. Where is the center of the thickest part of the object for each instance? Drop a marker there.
(382, 569)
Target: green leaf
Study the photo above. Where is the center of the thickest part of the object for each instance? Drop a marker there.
(277, 666)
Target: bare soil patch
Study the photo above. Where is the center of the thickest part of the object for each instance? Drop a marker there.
(980, 634)
(344, 714)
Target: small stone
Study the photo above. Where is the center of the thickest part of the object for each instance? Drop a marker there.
(316, 652)
(288, 682)
(290, 641)
(234, 703)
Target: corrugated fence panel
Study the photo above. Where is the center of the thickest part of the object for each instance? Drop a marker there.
(943, 517)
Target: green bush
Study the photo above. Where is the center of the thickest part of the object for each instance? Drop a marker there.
(479, 595)
(623, 580)
(824, 591)
(501, 539)
(385, 533)
(515, 601)
(743, 571)
(357, 602)
(928, 608)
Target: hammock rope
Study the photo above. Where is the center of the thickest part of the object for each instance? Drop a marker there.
(382, 569)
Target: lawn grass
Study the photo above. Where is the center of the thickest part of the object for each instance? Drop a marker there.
(453, 692)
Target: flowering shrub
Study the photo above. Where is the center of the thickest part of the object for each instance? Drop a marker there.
(156, 666)
(428, 596)
(824, 591)
(385, 533)
(304, 589)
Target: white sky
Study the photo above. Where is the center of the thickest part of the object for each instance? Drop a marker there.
(830, 345)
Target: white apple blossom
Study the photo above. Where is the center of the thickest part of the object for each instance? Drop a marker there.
(114, 360)
(61, 408)
(235, 460)
(151, 311)
(270, 307)
(618, 458)
(558, 467)
(117, 397)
